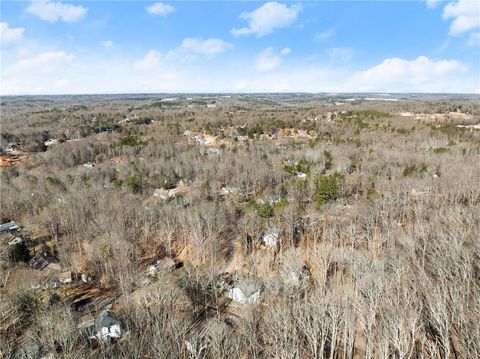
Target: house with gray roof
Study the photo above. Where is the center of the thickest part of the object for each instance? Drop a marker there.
(8, 226)
(43, 260)
(107, 327)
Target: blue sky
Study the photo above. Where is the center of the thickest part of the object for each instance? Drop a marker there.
(50, 47)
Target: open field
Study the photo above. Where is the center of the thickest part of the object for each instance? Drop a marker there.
(241, 226)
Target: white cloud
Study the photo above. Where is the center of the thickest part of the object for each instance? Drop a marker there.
(323, 36)
(209, 47)
(161, 9)
(340, 54)
(56, 11)
(10, 35)
(419, 75)
(431, 4)
(474, 39)
(43, 62)
(268, 60)
(60, 72)
(465, 14)
(90, 73)
(267, 18)
(189, 50)
(94, 76)
(108, 43)
(149, 62)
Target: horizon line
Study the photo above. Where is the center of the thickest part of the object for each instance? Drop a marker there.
(331, 93)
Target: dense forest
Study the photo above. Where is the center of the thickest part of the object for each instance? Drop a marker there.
(242, 226)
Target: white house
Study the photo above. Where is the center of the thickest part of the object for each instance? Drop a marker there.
(51, 142)
(475, 127)
(271, 200)
(225, 191)
(86, 278)
(302, 133)
(270, 238)
(166, 264)
(65, 277)
(15, 241)
(237, 295)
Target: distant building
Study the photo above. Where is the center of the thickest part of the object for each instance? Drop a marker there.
(51, 142)
(11, 147)
(271, 200)
(15, 241)
(44, 260)
(270, 238)
(65, 277)
(239, 296)
(475, 127)
(225, 191)
(302, 133)
(204, 140)
(107, 327)
(9, 226)
(166, 264)
(163, 194)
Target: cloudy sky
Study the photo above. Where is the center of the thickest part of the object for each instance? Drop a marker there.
(50, 47)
